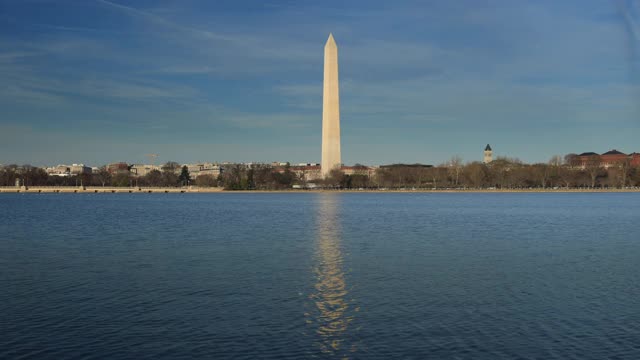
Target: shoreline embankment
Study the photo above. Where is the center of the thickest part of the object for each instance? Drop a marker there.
(107, 189)
(201, 190)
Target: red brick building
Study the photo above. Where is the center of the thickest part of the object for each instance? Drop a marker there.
(118, 168)
(608, 159)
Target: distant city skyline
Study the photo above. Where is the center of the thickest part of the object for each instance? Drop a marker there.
(100, 81)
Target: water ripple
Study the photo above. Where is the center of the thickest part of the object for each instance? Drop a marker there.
(291, 276)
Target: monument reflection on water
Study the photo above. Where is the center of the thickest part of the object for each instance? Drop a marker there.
(332, 309)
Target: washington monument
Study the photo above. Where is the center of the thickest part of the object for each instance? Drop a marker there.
(330, 110)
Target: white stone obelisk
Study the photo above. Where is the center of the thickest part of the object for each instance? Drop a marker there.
(330, 110)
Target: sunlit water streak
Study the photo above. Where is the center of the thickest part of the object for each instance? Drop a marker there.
(334, 310)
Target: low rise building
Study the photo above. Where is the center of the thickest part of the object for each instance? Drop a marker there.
(369, 171)
(143, 169)
(314, 172)
(118, 168)
(279, 163)
(200, 169)
(306, 173)
(68, 170)
(59, 170)
(611, 158)
(210, 169)
(79, 169)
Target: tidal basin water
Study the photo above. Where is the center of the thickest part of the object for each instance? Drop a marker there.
(314, 275)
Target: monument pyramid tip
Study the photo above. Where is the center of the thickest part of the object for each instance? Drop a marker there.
(331, 39)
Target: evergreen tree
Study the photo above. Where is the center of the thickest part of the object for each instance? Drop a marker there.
(184, 177)
(251, 185)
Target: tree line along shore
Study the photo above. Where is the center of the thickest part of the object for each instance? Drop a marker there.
(219, 190)
(501, 174)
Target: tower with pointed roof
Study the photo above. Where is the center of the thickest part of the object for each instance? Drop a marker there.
(488, 154)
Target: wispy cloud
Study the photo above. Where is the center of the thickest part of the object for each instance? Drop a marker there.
(11, 56)
(26, 85)
(76, 29)
(164, 22)
(18, 93)
(276, 122)
(187, 69)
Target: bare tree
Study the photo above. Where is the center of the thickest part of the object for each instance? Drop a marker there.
(555, 163)
(153, 178)
(499, 172)
(634, 176)
(455, 168)
(556, 160)
(206, 181)
(593, 166)
(540, 174)
(103, 175)
(625, 169)
(475, 174)
(572, 160)
(567, 176)
(335, 178)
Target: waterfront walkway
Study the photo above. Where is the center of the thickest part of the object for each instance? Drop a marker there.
(108, 189)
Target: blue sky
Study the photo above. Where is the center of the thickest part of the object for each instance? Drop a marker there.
(98, 81)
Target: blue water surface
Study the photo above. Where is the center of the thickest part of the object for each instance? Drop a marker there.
(320, 275)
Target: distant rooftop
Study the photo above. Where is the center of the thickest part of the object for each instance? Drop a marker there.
(614, 152)
(488, 148)
(610, 152)
(406, 165)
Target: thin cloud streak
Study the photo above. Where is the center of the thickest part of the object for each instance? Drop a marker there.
(160, 20)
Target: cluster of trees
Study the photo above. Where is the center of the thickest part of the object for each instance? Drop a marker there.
(266, 177)
(26, 173)
(260, 177)
(359, 179)
(508, 173)
(502, 173)
(170, 175)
